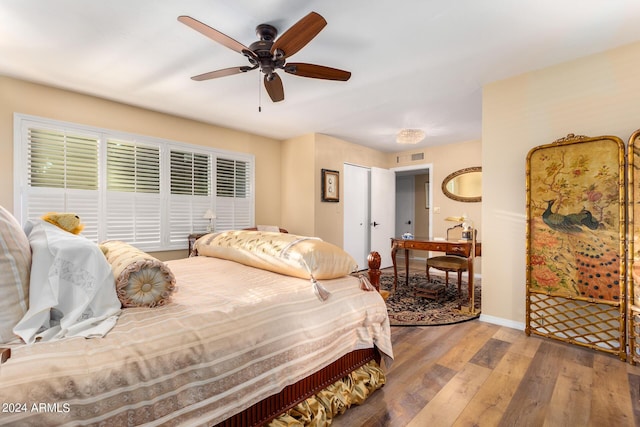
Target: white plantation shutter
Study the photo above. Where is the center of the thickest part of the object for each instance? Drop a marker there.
(190, 196)
(147, 192)
(62, 175)
(134, 208)
(234, 194)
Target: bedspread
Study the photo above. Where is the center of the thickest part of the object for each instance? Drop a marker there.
(232, 336)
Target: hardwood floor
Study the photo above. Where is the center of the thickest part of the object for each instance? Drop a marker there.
(481, 374)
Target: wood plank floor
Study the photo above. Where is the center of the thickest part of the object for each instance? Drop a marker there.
(481, 374)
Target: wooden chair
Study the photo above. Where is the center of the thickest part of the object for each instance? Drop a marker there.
(450, 262)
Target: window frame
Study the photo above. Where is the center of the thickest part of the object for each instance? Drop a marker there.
(196, 224)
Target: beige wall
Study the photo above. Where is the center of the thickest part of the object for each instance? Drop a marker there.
(298, 180)
(596, 95)
(332, 153)
(443, 160)
(18, 96)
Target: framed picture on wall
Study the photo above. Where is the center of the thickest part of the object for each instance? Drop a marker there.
(330, 185)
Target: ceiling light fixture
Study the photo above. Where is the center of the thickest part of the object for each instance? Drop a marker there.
(410, 136)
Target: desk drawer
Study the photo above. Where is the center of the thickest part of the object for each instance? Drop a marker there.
(462, 250)
(408, 244)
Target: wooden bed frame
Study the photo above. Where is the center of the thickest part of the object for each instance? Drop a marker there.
(269, 408)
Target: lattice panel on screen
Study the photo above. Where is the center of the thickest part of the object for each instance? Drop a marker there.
(584, 323)
(634, 335)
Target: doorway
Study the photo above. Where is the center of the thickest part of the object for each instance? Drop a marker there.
(413, 201)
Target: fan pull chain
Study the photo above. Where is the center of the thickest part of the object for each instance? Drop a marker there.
(259, 94)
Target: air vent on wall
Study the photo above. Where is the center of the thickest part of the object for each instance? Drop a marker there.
(410, 157)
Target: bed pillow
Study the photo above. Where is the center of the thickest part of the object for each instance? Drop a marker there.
(71, 291)
(141, 280)
(15, 266)
(297, 256)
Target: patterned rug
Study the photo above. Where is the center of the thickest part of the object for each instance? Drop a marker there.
(407, 310)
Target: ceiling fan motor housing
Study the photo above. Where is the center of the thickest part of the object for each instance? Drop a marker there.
(267, 61)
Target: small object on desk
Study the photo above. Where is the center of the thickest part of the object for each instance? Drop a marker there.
(407, 236)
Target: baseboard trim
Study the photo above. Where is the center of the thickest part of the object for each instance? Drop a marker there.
(502, 322)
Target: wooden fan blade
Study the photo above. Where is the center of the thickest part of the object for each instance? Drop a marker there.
(274, 87)
(316, 71)
(213, 34)
(222, 73)
(301, 33)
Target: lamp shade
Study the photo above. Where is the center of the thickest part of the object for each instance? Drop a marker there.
(209, 214)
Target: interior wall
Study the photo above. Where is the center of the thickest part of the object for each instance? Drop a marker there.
(596, 95)
(332, 153)
(298, 201)
(446, 159)
(18, 96)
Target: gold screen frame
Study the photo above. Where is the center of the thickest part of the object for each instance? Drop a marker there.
(576, 242)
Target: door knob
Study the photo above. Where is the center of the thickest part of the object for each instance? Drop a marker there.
(375, 223)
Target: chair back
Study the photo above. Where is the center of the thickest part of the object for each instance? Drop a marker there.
(454, 233)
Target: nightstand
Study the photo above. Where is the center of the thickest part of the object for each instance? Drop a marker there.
(192, 239)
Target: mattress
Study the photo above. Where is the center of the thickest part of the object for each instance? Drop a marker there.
(232, 335)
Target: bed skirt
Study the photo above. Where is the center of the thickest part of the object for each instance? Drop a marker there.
(306, 399)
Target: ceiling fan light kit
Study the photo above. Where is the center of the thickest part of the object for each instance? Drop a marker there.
(410, 136)
(270, 53)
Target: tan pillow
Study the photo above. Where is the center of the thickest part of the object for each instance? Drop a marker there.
(141, 280)
(297, 256)
(15, 268)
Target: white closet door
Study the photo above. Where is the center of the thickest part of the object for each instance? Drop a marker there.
(356, 213)
(383, 213)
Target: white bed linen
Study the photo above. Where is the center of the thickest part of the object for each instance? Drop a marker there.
(232, 336)
(71, 291)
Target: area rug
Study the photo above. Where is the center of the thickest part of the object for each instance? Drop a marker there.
(406, 310)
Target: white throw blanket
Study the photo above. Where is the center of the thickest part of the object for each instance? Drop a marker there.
(72, 289)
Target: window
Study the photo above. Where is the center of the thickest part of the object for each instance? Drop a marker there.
(133, 199)
(61, 174)
(232, 194)
(190, 192)
(148, 192)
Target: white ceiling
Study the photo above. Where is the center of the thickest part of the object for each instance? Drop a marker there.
(414, 63)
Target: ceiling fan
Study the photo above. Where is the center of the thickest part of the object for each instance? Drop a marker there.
(270, 54)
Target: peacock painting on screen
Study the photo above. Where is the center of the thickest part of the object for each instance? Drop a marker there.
(576, 240)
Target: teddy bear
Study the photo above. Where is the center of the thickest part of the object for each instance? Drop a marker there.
(67, 221)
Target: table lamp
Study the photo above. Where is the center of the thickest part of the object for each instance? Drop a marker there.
(210, 216)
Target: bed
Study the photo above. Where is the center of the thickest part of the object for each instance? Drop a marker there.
(232, 344)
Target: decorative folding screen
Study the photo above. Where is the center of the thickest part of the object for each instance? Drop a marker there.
(576, 222)
(633, 299)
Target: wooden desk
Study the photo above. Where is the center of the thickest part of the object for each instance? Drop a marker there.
(462, 248)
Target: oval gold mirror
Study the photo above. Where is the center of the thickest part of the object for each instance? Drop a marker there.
(464, 185)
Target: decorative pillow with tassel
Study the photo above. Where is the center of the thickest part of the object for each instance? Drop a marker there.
(289, 254)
